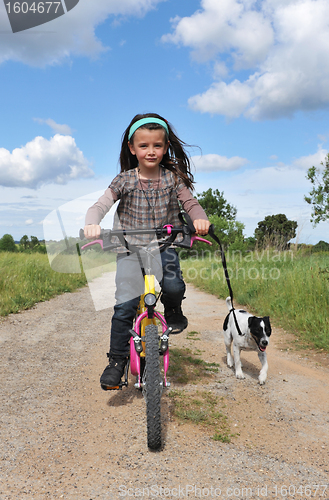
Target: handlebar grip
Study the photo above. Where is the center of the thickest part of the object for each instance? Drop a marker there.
(211, 230)
(82, 234)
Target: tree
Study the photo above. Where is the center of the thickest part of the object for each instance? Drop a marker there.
(214, 203)
(319, 196)
(24, 242)
(250, 243)
(275, 230)
(229, 232)
(34, 242)
(7, 243)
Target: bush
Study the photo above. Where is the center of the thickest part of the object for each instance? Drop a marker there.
(322, 246)
(33, 246)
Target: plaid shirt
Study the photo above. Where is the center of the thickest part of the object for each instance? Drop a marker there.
(141, 208)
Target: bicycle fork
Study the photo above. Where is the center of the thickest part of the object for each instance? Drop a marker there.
(147, 316)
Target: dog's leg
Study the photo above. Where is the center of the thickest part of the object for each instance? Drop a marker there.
(229, 357)
(237, 361)
(263, 373)
(228, 342)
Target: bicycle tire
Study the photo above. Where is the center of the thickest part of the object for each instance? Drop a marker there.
(153, 387)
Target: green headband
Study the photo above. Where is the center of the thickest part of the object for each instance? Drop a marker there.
(143, 121)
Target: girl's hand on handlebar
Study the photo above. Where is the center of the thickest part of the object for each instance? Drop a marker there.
(201, 226)
(92, 231)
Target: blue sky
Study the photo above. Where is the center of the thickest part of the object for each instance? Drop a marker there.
(247, 81)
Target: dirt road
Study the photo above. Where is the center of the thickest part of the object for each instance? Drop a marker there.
(62, 437)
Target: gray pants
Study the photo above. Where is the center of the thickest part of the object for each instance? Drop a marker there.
(130, 285)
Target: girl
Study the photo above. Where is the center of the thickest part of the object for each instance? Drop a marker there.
(155, 176)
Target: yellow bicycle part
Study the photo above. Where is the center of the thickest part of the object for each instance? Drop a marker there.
(149, 280)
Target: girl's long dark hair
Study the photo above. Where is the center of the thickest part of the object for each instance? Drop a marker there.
(176, 159)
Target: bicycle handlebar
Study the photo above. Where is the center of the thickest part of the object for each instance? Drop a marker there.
(105, 239)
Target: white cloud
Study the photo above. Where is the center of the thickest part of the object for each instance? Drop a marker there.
(57, 128)
(314, 160)
(228, 25)
(70, 34)
(284, 44)
(41, 161)
(28, 222)
(223, 99)
(214, 162)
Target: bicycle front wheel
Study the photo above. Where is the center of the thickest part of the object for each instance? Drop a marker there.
(153, 387)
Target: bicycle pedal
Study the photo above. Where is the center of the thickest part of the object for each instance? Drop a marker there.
(108, 388)
(116, 387)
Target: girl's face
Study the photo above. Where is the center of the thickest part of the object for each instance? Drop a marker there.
(149, 146)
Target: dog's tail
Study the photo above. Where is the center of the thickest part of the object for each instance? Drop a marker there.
(229, 303)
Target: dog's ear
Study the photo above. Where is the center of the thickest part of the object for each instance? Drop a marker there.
(251, 321)
(268, 328)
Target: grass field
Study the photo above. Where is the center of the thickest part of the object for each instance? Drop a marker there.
(26, 279)
(290, 287)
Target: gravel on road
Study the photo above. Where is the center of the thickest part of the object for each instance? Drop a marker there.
(63, 437)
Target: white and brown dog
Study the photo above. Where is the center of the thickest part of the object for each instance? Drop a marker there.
(255, 337)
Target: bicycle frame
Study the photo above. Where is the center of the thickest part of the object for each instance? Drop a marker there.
(139, 328)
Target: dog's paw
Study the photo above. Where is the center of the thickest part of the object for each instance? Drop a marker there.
(262, 379)
(240, 375)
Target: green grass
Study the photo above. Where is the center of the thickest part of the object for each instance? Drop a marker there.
(187, 368)
(26, 279)
(193, 336)
(96, 262)
(201, 408)
(291, 288)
